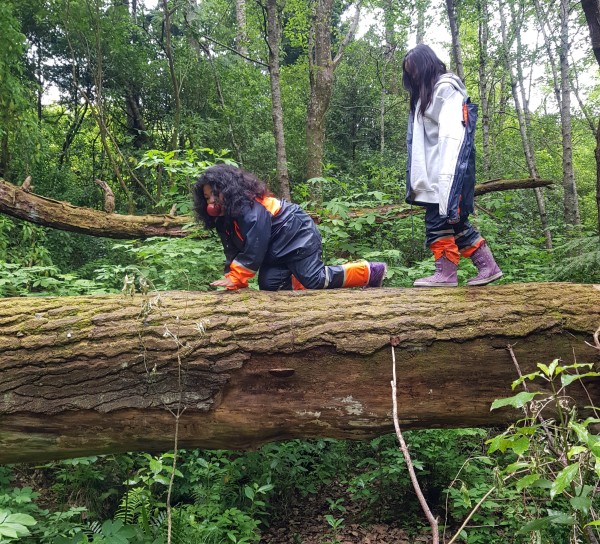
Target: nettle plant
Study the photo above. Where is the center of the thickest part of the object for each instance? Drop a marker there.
(557, 464)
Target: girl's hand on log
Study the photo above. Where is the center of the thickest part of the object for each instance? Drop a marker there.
(224, 282)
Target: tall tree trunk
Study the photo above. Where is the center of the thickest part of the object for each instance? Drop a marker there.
(104, 374)
(483, 21)
(421, 7)
(522, 110)
(321, 69)
(135, 122)
(78, 118)
(571, 205)
(390, 51)
(591, 8)
(241, 37)
(274, 42)
(4, 154)
(168, 49)
(457, 61)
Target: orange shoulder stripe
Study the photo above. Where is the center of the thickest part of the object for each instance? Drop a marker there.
(272, 204)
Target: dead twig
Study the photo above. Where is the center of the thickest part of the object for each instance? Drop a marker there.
(433, 523)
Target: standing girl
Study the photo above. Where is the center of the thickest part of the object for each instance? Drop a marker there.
(275, 238)
(440, 173)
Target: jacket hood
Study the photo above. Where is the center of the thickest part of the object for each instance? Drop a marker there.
(453, 80)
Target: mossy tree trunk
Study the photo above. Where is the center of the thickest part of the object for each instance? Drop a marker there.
(99, 374)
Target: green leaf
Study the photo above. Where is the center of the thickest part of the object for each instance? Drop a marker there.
(544, 369)
(526, 481)
(534, 525)
(517, 401)
(155, 466)
(514, 467)
(581, 504)
(575, 450)
(521, 445)
(521, 379)
(567, 379)
(563, 479)
(23, 519)
(5, 530)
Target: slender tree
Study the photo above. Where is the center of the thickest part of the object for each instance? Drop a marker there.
(522, 109)
(457, 60)
(273, 36)
(484, 108)
(591, 8)
(167, 45)
(571, 206)
(321, 69)
(241, 37)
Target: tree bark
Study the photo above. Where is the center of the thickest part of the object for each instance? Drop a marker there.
(168, 49)
(483, 34)
(457, 61)
(273, 43)
(64, 216)
(591, 8)
(16, 202)
(241, 37)
(99, 374)
(321, 71)
(522, 110)
(421, 7)
(570, 200)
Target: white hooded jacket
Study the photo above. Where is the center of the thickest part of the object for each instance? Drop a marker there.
(436, 147)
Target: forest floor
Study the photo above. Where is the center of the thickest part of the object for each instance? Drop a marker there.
(306, 524)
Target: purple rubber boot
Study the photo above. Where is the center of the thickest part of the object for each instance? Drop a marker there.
(445, 275)
(377, 273)
(489, 271)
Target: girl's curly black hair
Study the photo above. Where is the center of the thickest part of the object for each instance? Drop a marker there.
(237, 186)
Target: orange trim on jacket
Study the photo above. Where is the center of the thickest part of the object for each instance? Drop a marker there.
(446, 247)
(271, 204)
(239, 275)
(296, 285)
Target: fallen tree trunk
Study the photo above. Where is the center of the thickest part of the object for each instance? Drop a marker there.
(100, 374)
(22, 204)
(56, 214)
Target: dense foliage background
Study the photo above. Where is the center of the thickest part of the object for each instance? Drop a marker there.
(146, 95)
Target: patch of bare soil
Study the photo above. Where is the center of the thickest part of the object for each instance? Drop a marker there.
(306, 524)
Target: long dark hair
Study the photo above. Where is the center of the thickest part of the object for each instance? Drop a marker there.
(421, 68)
(237, 186)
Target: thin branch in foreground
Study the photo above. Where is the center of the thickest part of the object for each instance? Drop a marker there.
(433, 523)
